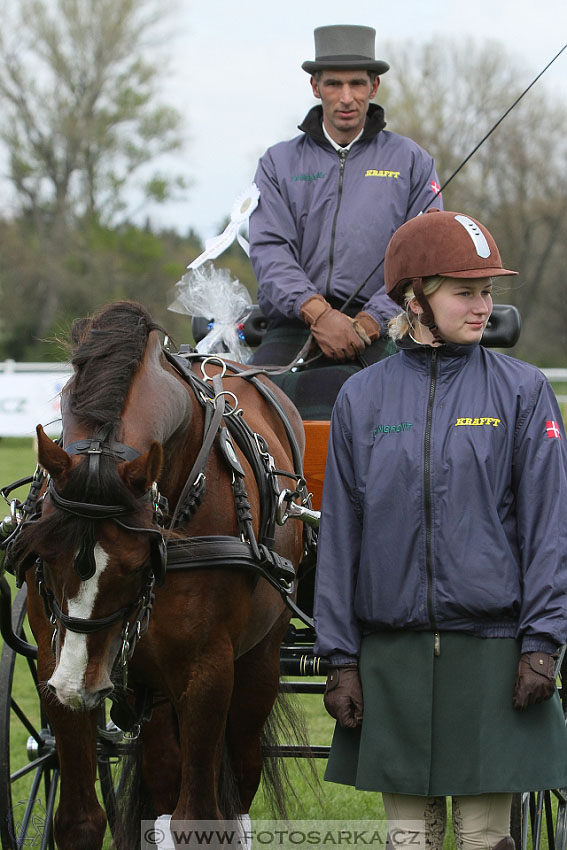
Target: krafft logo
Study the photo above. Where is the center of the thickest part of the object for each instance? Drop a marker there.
(478, 421)
(374, 172)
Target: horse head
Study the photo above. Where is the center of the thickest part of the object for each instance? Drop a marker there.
(99, 559)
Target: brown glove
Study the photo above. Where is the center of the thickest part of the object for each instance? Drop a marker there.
(535, 681)
(343, 695)
(335, 333)
(368, 324)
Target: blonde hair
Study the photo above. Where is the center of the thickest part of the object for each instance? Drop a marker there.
(403, 324)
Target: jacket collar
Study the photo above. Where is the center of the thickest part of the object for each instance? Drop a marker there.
(450, 355)
(312, 124)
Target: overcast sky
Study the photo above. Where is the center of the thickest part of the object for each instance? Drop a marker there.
(236, 75)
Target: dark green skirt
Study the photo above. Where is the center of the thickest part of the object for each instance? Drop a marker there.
(445, 725)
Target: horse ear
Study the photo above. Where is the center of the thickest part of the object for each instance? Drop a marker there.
(52, 457)
(139, 474)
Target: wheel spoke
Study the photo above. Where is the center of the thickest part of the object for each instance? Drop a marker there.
(29, 778)
(51, 784)
(561, 828)
(33, 670)
(36, 763)
(21, 830)
(549, 820)
(24, 720)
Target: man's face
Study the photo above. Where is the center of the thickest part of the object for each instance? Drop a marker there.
(344, 96)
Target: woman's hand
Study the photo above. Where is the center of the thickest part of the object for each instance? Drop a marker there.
(343, 695)
(535, 681)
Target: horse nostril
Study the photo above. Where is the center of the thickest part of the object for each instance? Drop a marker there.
(51, 688)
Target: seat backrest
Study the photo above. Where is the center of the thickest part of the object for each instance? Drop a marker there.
(316, 442)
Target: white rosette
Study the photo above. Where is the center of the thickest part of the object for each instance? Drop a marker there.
(242, 209)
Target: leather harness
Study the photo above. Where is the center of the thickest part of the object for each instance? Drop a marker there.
(214, 551)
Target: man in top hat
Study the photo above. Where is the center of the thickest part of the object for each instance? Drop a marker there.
(330, 199)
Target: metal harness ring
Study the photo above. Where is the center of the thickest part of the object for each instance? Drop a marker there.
(235, 409)
(212, 359)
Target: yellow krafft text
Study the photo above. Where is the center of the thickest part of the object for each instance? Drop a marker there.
(479, 420)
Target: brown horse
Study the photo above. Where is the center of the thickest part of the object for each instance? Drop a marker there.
(211, 634)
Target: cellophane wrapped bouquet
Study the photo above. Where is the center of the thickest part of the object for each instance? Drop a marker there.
(225, 302)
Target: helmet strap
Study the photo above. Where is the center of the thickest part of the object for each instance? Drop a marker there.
(426, 317)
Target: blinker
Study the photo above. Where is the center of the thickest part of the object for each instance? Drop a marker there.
(158, 554)
(85, 563)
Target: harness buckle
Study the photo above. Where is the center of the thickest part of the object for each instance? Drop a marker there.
(262, 446)
(125, 653)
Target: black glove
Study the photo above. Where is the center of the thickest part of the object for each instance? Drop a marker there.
(343, 695)
(535, 681)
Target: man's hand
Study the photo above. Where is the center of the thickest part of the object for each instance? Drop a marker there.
(368, 325)
(335, 333)
(535, 681)
(343, 695)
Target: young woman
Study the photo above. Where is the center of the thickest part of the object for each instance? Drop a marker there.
(441, 585)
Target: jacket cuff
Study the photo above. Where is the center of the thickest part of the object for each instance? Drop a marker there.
(381, 320)
(539, 644)
(339, 660)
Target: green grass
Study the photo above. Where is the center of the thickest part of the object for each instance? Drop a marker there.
(17, 459)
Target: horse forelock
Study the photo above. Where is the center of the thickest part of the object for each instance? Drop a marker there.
(60, 533)
(107, 351)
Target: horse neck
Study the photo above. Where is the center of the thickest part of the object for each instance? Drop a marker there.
(157, 404)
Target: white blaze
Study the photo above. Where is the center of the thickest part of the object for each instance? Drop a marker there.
(68, 679)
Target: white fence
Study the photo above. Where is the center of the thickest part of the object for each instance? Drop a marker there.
(29, 394)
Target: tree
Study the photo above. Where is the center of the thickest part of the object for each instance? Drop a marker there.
(80, 115)
(446, 97)
(81, 121)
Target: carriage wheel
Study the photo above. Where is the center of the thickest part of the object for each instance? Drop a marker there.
(29, 772)
(114, 746)
(542, 815)
(539, 819)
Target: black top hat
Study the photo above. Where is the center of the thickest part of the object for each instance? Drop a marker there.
(345, 47)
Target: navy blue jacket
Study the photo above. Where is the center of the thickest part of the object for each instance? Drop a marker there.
(445, 501)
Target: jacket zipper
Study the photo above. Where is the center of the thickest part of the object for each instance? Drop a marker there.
(427, 497)
(342, 159)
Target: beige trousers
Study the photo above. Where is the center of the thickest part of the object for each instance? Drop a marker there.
(419, 823)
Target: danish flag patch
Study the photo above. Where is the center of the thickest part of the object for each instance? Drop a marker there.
(552, 430)
(435, 187)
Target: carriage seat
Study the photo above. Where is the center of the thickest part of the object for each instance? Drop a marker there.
(316, 442)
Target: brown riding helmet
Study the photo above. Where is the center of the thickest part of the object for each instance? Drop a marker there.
(449, 244)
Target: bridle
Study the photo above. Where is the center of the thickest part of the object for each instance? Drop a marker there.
(134, 626)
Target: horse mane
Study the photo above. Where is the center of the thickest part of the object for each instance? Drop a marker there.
(107, 350)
